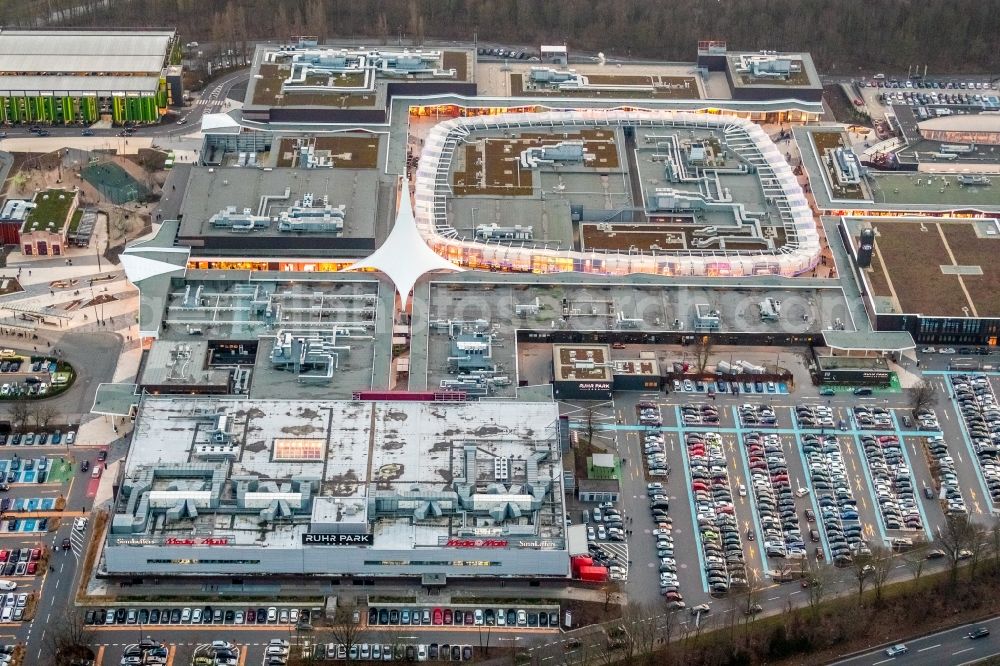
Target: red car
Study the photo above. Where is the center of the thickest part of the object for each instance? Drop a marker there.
(438, 616)
(35, 554)
(447, 616)
(4, 555)
(32, 568)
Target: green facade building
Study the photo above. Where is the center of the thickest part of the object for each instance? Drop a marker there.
(76, 76)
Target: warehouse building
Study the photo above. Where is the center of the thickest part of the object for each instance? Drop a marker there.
(353, 489)
(83, 76)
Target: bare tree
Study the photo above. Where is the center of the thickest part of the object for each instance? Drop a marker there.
(915, 560)
(881, 567)
(343, 629)
(751, 604)
(703, 352)
(670, 621)
(69, 640)
(817, 580)
(978, 544)
(955, 539)
(590, 423)
(863, 569)
(20, 412)
(995, 541)
(42, 415)
(922, 395)
(610, 589)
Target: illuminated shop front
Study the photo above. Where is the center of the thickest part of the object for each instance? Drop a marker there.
(430, 196)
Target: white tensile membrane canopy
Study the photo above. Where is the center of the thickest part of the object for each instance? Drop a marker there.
(404, 256)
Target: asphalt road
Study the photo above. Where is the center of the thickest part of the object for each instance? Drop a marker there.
(952, 646)
(93, 355)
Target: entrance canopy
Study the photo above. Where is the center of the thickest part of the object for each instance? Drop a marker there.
(404, 256)
(869, 341)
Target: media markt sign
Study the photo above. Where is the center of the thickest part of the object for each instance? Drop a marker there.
(309, 539)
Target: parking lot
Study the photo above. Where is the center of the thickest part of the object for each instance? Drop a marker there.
(773, 483)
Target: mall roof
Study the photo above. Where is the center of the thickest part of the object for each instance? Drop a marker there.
(972, 122)
(881, 341)
(84, 51)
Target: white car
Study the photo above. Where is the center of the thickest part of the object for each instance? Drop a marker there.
(80, 523)
(602, 533)
(591, 534)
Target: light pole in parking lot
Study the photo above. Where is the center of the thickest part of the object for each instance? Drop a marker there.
(485, 647)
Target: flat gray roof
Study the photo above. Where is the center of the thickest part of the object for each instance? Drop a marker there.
(78, 85)
(211, 189)
(83, 51)
(180, 363)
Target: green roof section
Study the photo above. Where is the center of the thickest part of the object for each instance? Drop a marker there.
(51, 208)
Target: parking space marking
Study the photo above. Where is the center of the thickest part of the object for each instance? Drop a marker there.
(920, 504)
(879, 518)
(824, 542)
(753, 505)
(967, 441)
(688, 490)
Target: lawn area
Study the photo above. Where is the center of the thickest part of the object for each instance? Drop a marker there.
(51, 207)
(913, 254)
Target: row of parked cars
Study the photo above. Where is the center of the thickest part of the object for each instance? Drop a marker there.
(609, 524)
(921, 83)
(872, 418)
(773, 493)
(893, 481)
(954, 503)
(14, 606)
(837, 506)
(718, 529)
(981, 414)
(397, 652)
(659, 505)
(656, 456)
(206, 615)
(500, 617)
(55, 437)
(147, 651)
(699, 414)
(914, 98)
(30, 386)
(753, 416)
(20, 561)
(925, 418)
(722, 386)
(814, 416)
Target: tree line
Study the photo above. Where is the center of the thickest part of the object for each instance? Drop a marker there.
(844, 36)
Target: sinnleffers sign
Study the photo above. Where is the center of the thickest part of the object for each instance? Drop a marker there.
(309, 539)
